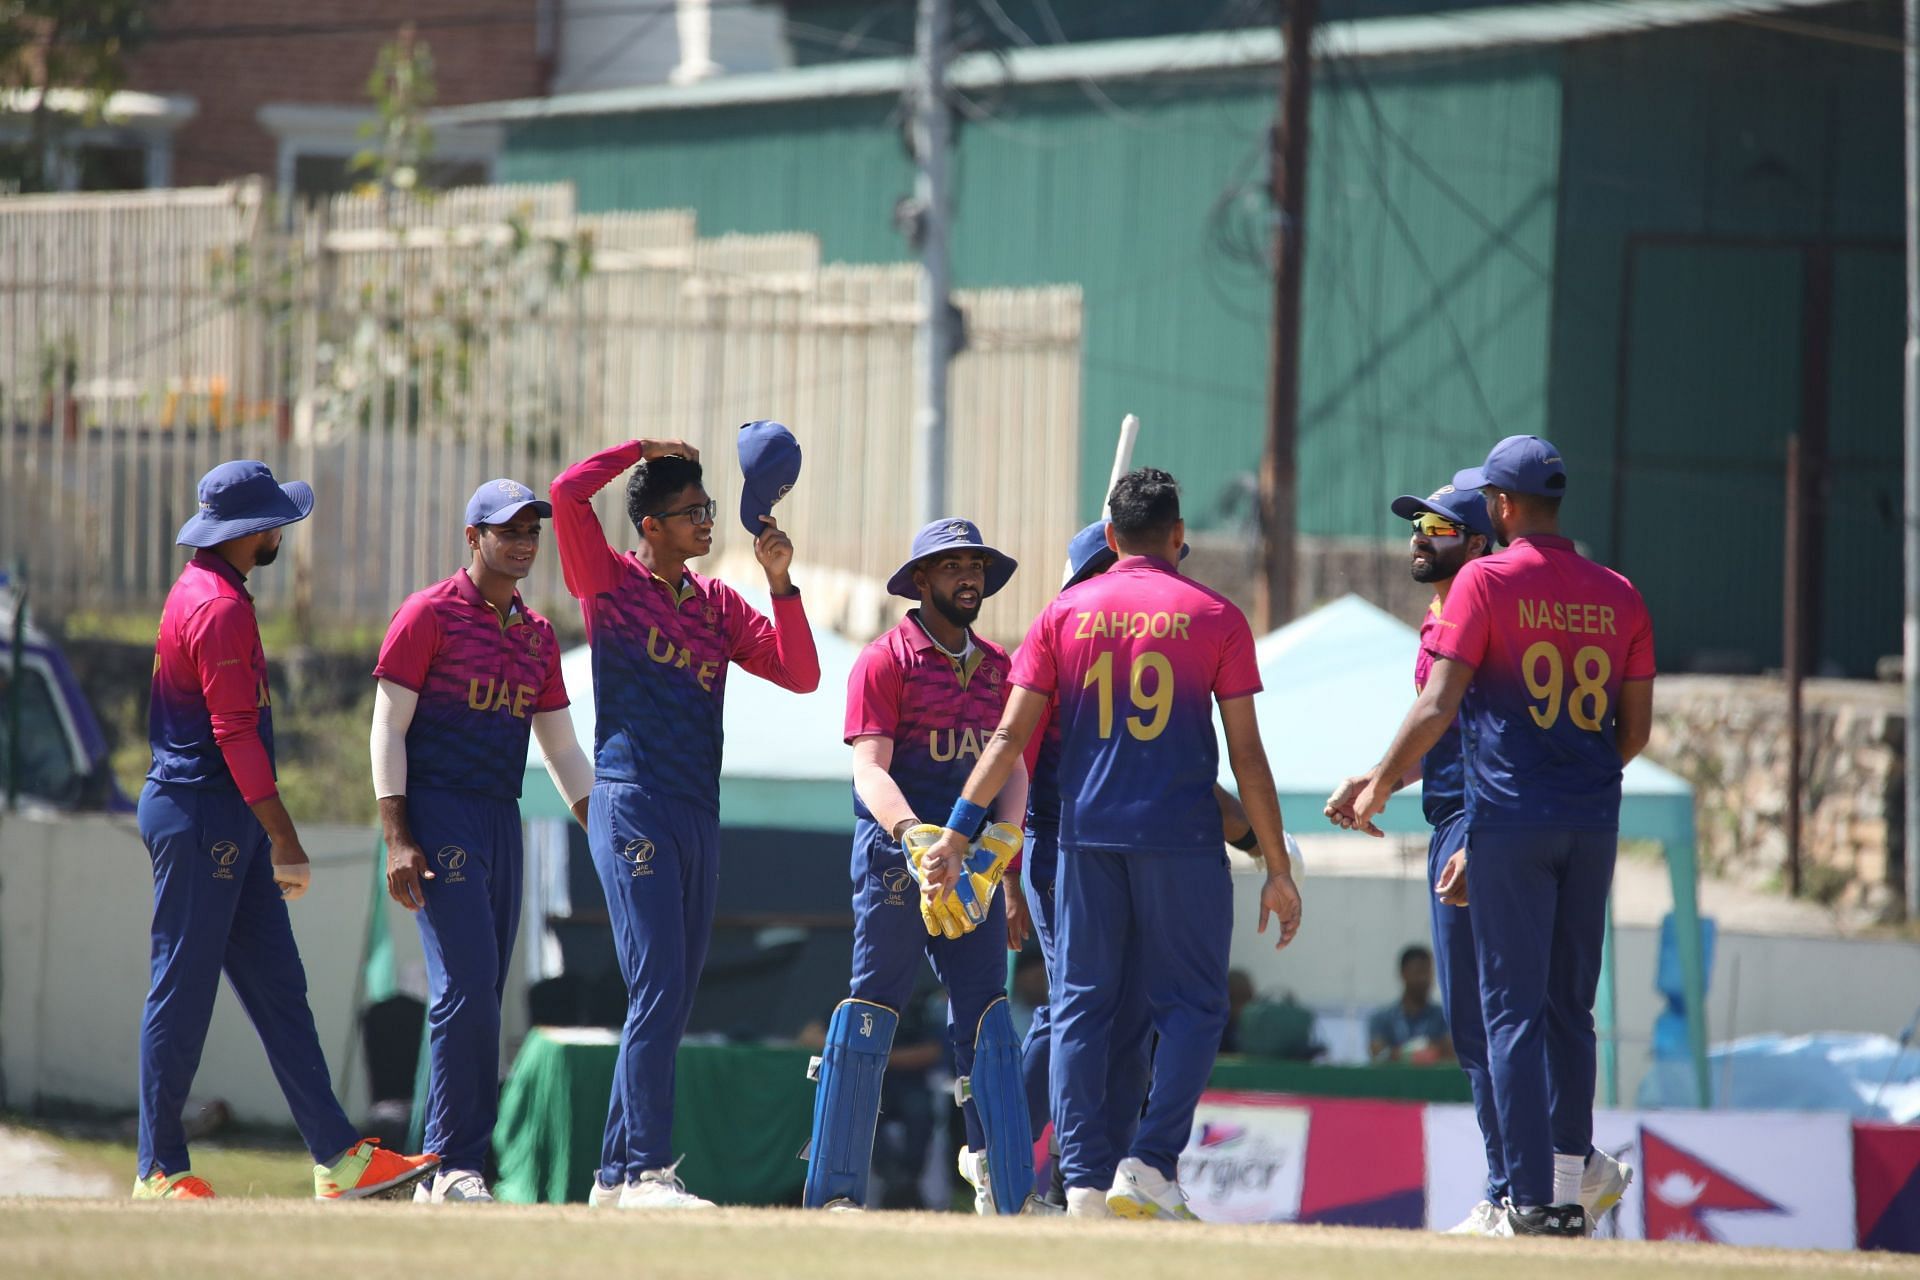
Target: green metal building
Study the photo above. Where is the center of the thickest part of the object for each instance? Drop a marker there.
(1665, 233)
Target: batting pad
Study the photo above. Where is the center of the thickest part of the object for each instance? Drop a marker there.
(1000, 1096)
(846, 1110)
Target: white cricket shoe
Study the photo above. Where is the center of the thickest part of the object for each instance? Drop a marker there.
(973, 1167)
(1141, 1191)
(452, 1186)
(1087, 1202)
(660, 1189)
(843, 1204)
(1602, 1183)
(602, 1196)
(1486, 1219)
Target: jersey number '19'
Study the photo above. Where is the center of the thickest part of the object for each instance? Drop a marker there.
(1587, 705)
(1157, 704)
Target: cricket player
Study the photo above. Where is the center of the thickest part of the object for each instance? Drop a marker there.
(663, 639)
(226, 857)
(1548, 658)
(922, 701)
(466, 675)
(1137, 656)
(1088, 556)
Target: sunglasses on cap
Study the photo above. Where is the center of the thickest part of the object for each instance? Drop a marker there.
(1430, 525)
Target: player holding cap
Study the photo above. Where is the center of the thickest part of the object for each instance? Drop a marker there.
(663, 638)
(1549, 659)
(921, 702)
(1137, 656)
(1450, 527)
(466, 674)
(226, 857)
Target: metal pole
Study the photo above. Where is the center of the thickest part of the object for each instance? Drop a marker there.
(1287, 161)
(933, 339)
(1912, 407)
(1792, 656)
(14, 694)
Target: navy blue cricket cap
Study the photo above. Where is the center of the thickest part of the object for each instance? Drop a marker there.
(950, 534)
(242, 497)
(1519, 464)
(498, 501)
(1088, 554)
(1464, 507)
(770, 462)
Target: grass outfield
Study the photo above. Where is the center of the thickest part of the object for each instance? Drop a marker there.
(51, 1240)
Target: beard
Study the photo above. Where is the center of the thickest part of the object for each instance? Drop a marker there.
(954, 613)
(1442, 565)
(265, 555)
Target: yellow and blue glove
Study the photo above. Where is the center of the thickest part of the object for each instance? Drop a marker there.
(964, 908)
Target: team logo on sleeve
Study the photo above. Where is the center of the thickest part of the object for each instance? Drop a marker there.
(639, 855)
(224, 855)
(452, 859)
(895, 881)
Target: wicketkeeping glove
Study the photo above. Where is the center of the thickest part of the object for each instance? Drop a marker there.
(964, 908)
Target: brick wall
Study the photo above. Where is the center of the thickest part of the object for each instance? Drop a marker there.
(232, 77)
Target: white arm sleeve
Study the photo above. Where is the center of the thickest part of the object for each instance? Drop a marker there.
(393, 706)
(566, 763)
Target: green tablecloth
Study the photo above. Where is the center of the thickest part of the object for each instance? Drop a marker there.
(741, 1114)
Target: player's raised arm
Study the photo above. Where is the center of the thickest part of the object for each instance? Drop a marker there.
(587, 562)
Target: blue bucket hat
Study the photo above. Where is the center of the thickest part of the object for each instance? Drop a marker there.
(1522, 464)
(242, 497)
(498, 501)
(1089, 555)
(1450, 502)
(948, 534)
(770, 461)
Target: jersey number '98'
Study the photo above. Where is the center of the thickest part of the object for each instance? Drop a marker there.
(1587, 704)
(1157, 704)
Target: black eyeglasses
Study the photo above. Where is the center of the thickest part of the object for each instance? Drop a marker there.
(698, 513)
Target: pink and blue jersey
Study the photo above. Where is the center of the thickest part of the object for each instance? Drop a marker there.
(937, 710)
(661, 649)
(1137, 657)
(480, 682)
(1551, 637)
(210, 719)
(1443, 783)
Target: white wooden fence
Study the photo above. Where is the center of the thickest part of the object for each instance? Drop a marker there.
(398, 355)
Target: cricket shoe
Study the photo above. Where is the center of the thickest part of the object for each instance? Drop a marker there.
(1486, 1219)
(1142, 1191)
(602, 1196)
(1602, 1183)
(1087, 1202)
(368, 1169)
(660, 1189)
(1547, 1220)
(172, 1186)
(452, 1186)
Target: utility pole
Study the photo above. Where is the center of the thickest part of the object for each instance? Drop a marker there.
(1287, 174)
(933, 343)
(1911, 530)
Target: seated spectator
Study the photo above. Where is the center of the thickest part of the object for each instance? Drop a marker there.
(1412, 1028)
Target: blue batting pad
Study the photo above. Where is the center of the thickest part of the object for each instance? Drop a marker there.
(1000, 1096)
(846, 1110)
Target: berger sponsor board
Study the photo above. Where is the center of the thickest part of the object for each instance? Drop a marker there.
(1736, 1177)
(1246, 1161)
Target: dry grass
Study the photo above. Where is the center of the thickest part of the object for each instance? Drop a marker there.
(52, 1240)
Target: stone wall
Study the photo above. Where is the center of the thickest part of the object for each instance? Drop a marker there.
(1727, 735)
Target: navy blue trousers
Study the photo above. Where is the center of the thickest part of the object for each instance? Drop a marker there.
(467, 927)
(216, 907)
(658, 858)
(1167, 920)
(1538, 900)
(1458, 973)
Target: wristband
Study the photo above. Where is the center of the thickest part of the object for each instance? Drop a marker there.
(1248, 842)
(967, 818)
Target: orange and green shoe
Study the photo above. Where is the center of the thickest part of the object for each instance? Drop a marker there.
(367, 1170)
(172, 1186)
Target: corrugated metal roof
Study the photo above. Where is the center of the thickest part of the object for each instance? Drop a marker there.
(1494, 27)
